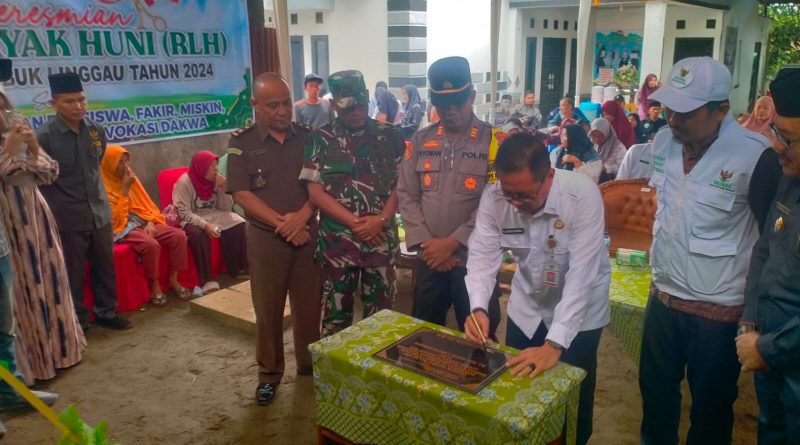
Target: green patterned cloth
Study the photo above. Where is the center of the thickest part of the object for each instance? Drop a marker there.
(630, 287)
(369, 401)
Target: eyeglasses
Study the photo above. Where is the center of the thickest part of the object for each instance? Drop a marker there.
(523, 197)
(781, 137)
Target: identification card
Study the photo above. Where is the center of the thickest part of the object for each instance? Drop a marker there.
(552, 273)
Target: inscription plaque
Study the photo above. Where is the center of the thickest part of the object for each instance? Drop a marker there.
(452, 360)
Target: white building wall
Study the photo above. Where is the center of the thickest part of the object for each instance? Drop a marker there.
(357, 37)
(751, 29)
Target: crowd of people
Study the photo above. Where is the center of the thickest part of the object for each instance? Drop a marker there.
(67, 198)
(320, 182)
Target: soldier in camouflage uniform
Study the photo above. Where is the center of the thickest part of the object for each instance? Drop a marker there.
(350, 168)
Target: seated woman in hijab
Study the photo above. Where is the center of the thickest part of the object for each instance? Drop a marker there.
(138, 221)
(206, 213)
(577, 153)
(615, 116)
(762, 116)
(608, 147)
(413, 112)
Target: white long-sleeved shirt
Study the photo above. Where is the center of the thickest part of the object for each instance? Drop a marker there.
(637, 162)
(580, 300)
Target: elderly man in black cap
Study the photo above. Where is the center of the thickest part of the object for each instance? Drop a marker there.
(78, 199)
(769, 332)
(314, 111)
(443, 174)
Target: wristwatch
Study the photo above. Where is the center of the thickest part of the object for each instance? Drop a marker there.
(554, 345)
(384, 219)
(744, 328)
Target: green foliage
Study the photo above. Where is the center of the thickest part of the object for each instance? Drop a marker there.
(784, 39)
(87, 434)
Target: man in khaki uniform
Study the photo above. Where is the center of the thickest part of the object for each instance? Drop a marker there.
(443, 174)
(264, 162)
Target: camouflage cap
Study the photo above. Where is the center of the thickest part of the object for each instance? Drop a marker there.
(348, 88)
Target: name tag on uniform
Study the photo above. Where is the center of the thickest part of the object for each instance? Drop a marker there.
(552, 273)
(514, 231)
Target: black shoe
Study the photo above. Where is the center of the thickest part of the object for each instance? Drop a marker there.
(265, 392)
(16, 402)
(116, 322)
(308, 371)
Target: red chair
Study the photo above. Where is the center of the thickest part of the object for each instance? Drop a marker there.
(132, 288)
(166, 180)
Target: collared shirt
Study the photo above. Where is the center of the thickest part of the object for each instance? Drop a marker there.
(441, 184)
(259, 163)
(772, 298)
(563, 273)
(359, 170)
(78, 197)
(637, 162)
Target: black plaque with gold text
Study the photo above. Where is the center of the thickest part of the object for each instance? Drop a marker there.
(452, 360)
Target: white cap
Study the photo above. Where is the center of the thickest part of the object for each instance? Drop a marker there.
(692, 83)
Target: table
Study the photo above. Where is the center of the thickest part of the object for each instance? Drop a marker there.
(630, 287)
(366, 400)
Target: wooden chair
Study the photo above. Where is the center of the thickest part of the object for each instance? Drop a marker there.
(630, 207)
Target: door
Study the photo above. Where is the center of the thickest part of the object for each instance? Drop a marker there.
(298, 66)
(530, 64)
(754, 77)
(693, 47)
(319, 59)
(551, 86)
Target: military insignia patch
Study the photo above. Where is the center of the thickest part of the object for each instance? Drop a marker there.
(408, 152)
(501, 136)
(431, 144)
(473, 133)
(440, 130)
(427, 180)
(426, 165)
(470, 183)
(779, 224)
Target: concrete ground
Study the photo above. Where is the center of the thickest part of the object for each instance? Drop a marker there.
(179, 377)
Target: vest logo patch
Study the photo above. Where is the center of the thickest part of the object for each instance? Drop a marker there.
(658, 164)
(723, 182)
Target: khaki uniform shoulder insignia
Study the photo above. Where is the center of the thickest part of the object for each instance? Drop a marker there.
(240, 131)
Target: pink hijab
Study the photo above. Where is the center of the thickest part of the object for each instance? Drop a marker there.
(198, 169)
(644, 96)
(758, 125)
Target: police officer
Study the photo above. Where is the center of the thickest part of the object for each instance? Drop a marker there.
(78, 199)
(264, 161)
(769, 340)
(551, 221)
(714, 180)
(444, 171)
(350, 168)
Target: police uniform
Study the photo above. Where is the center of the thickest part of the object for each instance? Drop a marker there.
(703, 236)
(259, 163)
(439, 191)
(772, 299)
(559, 292)
(80, 205)
(359, 170)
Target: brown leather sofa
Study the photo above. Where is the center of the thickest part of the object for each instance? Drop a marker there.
(630, 207)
